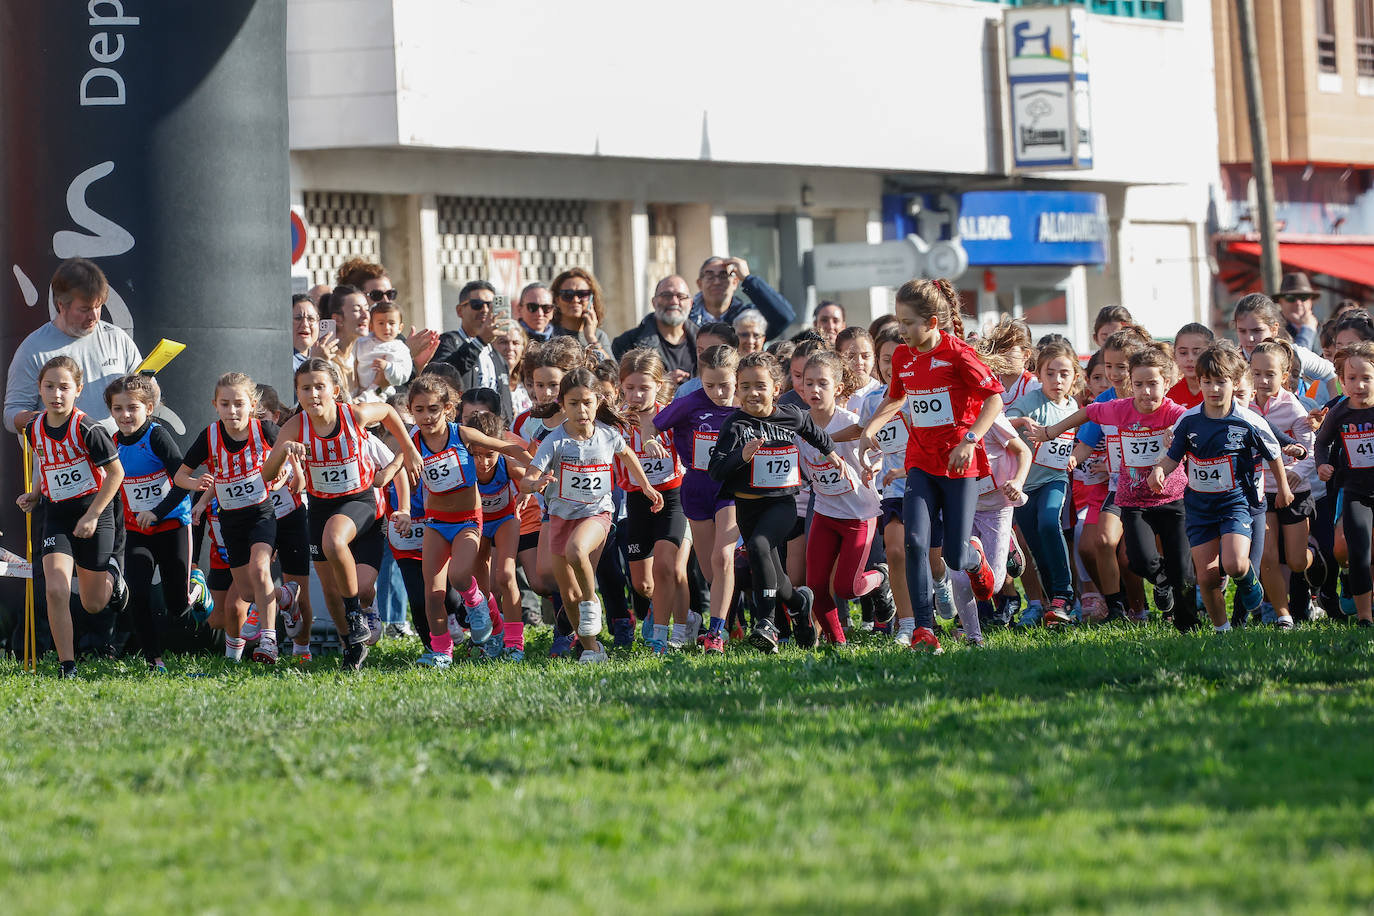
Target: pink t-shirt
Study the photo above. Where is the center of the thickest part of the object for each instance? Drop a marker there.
(1004, 467)
(1140, 440)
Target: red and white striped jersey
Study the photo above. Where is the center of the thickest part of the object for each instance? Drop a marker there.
(64, 465)
(338, 465)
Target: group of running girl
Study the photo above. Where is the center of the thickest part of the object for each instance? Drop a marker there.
(904, 466)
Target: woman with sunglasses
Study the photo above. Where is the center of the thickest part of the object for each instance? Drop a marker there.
(578, 310)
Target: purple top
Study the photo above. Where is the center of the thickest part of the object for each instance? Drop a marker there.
(685, 417)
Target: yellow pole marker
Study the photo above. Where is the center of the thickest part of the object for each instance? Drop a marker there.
(165, 351)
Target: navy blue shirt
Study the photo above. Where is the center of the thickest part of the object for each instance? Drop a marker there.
(1223, 457)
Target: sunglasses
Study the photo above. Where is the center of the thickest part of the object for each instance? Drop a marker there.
(570, 295)
(1299, 297)
(479, 305)
(377, 295)
(539, 307)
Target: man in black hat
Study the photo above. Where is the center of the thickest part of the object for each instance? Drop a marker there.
(1295, 298)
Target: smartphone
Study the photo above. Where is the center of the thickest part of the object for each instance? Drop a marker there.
(327, 326)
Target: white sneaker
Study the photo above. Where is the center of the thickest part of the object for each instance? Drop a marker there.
(589, 619)
(252, 625)
(290, 615)
(903, 635)
(944, 598)
(594, 656)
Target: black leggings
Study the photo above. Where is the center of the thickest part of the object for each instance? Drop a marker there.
(1357, 520)
(170, 552)
(766, 524)
(1168, 522)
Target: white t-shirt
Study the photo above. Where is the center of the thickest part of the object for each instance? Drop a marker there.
(395, 352)
(839, 493)
(1004, 467)
(104, 355)
(583, 470)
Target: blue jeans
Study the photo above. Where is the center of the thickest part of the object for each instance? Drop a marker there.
(1040, 522)
(391, 591)
(927, 496)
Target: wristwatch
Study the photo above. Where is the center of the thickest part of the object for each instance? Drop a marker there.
(970, 438)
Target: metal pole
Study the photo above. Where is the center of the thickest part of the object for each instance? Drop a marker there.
(1270, 266)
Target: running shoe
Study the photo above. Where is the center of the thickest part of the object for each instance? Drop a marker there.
(354, 656)
(512, 654)
(66, 670)
(1016, 560)
(479, 624)
(589, 619)
(266, 652)
(1362, 622)
(713, 644)
(925, 640)
(157, 666)
(980, 580)
(1008, 608)
(1057, 614)
(944, 598)
(594, 656)
(803, 623)
(290, 611)
(358, 632)
(301, 658)
(1030, 617)
(1164, 597)
(203, 604)
(1317, 570)
(562, 646)
(491, 649)
(623, 633)
(765, 637)
(455, 629)
(657, 646)
(374, 626)
(402, 630)
(119, 592)
(1094, 608)
(252, 626)
(903, 635)
(693, 628)
(1285, 622)
(884, 606)
(432, 659)
(1252, 598)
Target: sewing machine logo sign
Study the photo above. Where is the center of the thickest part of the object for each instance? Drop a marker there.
(1047, 75)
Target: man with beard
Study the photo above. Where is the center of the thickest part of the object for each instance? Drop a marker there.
(667, 330)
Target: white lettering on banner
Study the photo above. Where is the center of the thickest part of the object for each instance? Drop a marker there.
(1072, 227)
(104, 85)
(985, 228)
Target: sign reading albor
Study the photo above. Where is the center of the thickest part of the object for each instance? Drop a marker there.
(1034, 227)
(1047, 83)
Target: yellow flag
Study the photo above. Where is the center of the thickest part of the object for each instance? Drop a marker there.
(165, 351)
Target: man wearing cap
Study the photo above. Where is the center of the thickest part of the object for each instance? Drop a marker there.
(1295, 298)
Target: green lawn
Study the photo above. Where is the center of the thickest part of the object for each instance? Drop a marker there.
(1120, 771)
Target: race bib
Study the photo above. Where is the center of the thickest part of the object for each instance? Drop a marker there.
(892, 438)
(144, 494)
(241, 492)
(411, 543)
(931, 408)
(282, 503)
(443, 472)
(69, 481)
(336, 478)
(702, 443)
(1055, 454)
(584, 483)
(986, 485)
(775, 468)
(828, 480)
(1211, 475)
(497, 502)
(1142, 448)
(658, 470)
(1359, 448)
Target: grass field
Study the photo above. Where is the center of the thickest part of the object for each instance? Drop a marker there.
(1119, 771)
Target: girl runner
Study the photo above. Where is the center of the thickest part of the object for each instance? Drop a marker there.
(693, 422)
(846, 504)
(78, 473)
(453, 517)
(498, 481)
(654, 547)
(954, 398)
(235, 449)
(1345, 460)
(346, 537)
(576, 462)
(157, 515)
(1189, 343)
(758, 464)
(855, 346)
(1091, 483)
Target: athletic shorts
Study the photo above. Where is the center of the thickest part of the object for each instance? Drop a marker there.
(219, 578)
(242, 528)
(1205, 528)
(1109, 506)
(645, 528)
(798, 529)
(1090, 497)
(1302, 508)
(293, 543)
(889, 510)
(529, 540)
(560, 529)
(370, 541)
(91, 554)
(450, 530)
(491, 525)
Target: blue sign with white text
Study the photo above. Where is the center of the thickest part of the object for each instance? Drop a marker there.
(1033, 227)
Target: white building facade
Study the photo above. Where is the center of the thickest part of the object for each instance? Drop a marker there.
(508, 139)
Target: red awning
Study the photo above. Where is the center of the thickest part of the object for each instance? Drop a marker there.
(1348, 262)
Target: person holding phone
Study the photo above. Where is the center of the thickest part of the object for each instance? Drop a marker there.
(579, 310)
(469, 349)
(347, 322)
